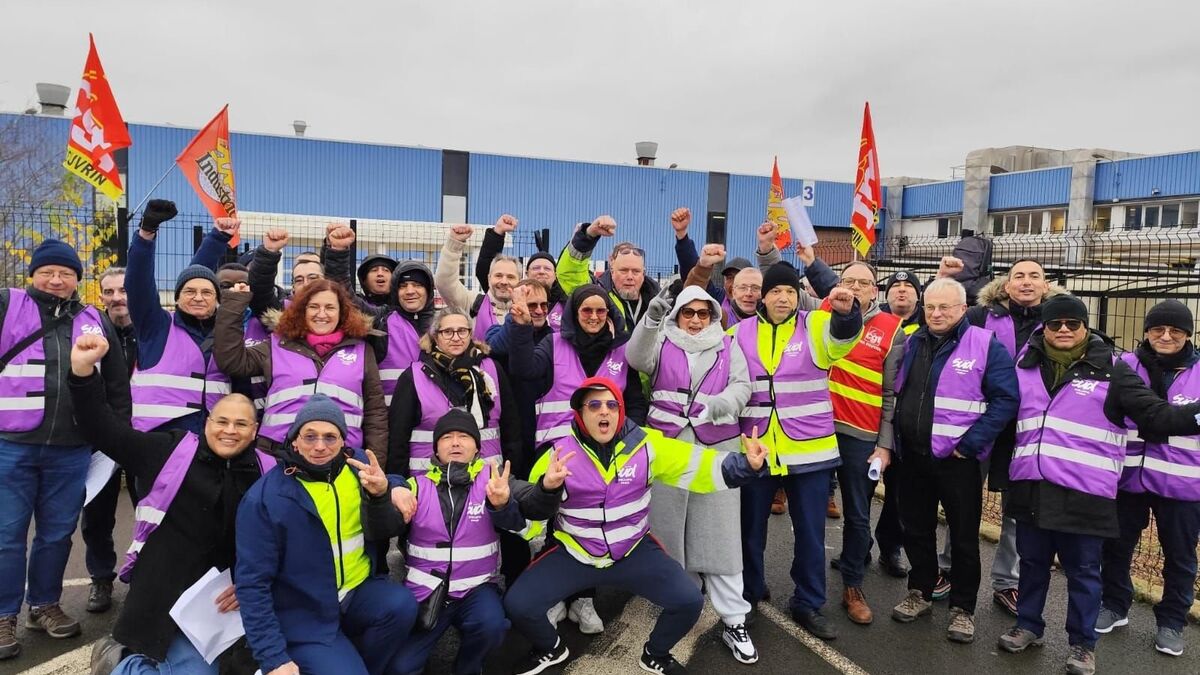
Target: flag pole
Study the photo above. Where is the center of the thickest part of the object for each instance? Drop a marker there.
(151, 191)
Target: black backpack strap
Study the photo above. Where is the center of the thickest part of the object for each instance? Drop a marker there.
(477, 304)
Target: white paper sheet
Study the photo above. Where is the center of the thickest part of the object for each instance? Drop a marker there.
(196, 614)
(100, 470)
(801, 226)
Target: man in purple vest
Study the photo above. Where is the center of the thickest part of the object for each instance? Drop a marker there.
(44, 456)
(485, 308)
(184, 524)
(539, 267)
(1161, 476)
(1077, 401)
(956, 390)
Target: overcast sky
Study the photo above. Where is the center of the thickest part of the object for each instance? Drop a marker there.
(719, 85)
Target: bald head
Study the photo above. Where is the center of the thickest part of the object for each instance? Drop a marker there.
(231, 426)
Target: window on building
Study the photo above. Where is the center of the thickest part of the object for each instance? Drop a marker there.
(1187, 214)
(1133, 217)
(1102, 219)
(1170, 215)
(1058, 221)
(1150, 216)
(949, 227)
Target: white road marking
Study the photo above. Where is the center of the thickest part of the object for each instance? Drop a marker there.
(74, 662)
(831, 656)
(67, 583)
(619, 647)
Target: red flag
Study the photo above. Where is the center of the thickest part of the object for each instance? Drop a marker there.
(97, 131)
(775, 212)
(208, 166)
(867, 193)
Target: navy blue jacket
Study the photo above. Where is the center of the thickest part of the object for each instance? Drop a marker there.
(284, 574)
(999, 389)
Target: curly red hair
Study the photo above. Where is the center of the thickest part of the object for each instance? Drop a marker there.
(293, 325)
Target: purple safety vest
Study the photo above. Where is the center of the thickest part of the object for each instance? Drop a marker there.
(602, 517)
(1005, 330)
(152, 508)
(484, 317)
(294, 378)
(403, 350)
(1170, 469)
(958, 400)
(800, 387)
(473, 555)
(257, 333)
(184, 381)
(434, 404)
(1067, 440)
(728, 316)
(554, 316)
(554, 412)
(23, 380)
(672, 403)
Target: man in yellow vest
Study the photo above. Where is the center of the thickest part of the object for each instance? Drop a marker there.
(788, 354)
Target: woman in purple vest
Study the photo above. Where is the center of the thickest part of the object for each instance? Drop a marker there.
(698, 386)
(1162, 474)
(317, 346)
(185, 523)
(1067, 463)
(457, 508)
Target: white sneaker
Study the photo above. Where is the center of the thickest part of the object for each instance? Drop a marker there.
(583, 612)
(557, 613)
(738, 641)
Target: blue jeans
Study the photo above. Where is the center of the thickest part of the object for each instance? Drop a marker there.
(479, 618)
(856, 507)
(182, 659)
(1080, 558)
(807, 495)
(43, 483)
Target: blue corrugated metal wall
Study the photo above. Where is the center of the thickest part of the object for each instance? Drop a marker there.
(558, 194)
(1022, 189)
(932, 199)
(1172, 175)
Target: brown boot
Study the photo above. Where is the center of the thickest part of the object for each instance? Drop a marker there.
(779, 504)
(832, 510)
(856, 606)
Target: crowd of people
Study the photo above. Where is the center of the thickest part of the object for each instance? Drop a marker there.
(559, 431)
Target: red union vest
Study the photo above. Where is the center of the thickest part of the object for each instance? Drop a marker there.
(856, 381)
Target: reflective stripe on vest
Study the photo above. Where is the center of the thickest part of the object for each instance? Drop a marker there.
(958, 400)
(294, 378)
(473, 554)
(1170, 469)
(856, 381)
(184, 381)
(23, 380)
(672, 405)
(435, 404)
(403, 350)
(554, 413)
(256, 333)
(151, 510)
(1067, 440)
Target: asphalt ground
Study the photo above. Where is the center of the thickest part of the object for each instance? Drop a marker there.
(884, 647)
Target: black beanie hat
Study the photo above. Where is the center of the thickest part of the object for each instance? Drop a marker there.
(456, 419)
(780, 274)
(55, 252)
(908, 276)
(196, 272)
(1171, 313)
(540, 255)
(1064, 306)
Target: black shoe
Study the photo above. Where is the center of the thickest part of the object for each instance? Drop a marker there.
(893, 564)
(660, 664)
(538, 661)
(100, 597)
(815, 623)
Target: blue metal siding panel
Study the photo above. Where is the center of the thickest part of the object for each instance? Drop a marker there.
(1172, 175)
(932, 199)
(556, 194)
(1023, 189)
(299, 175)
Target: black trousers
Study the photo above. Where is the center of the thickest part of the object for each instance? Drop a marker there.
(957, 483)
(888, 533)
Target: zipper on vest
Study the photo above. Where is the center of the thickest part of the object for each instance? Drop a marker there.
(453, 529)
(337, 528)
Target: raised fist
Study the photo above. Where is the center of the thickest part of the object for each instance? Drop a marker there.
(157, 212)
(841, 300)
(505, 224)
(950, 266)
(229, 226)
(805, 254)
(711, 255)
(275, 239)
(766, 236)
(681, 218)
(461, 233)
(602, 226)
(86, 353)
(340, 238)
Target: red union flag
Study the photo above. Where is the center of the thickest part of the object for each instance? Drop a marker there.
(208, 166)
(97, 131)
(867, 193)
(775, 211)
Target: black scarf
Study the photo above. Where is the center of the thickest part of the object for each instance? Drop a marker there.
(1158, 366)
(593, 348)
(462, 378)
(311, 472)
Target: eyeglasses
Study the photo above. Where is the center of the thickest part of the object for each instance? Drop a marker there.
(623, 250)
(537, 306)
(448, 333)
(324, 439)
(689, 313)
(1159, 331)
(857, 283)
(594, 311)
(206, 293)
(747, 288)
(930, 309)
(1055, 325)
(595, 405)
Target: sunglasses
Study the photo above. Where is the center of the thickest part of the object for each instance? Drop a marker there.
(593, 311)
(1055, 325)
(326, 439)
(689, 313)
(535, 306)
(595, 405)
(629, 249)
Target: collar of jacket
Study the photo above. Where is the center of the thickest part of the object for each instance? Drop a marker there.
(629, 438)
(454, 473)
(53, 303)
(960, 328)
(764, 318)
(1098, 356)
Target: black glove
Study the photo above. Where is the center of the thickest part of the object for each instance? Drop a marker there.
(675, 288)
(157, 212)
